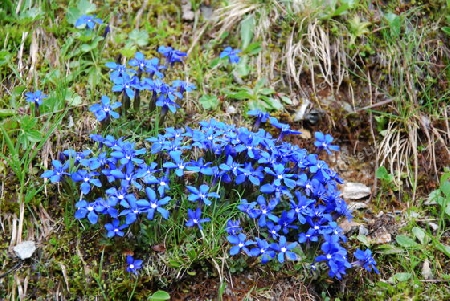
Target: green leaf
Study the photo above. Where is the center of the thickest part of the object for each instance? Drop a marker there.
(266, 91)
(85, 7)
(243, 67)
(247, 27)
(139, 37)
(395, 24)
(241, 95)
(435, 197)
(445, 188)
(446, 30)
(286, 99)
(447, 209)
(86, 47)
(389, 249)
(382, 173)
(400, 277)
(159, 296)
(27, 123)
(209, 102)
(214, 62)
(363, 239)
(405, 241)
(7, 112)
(34, 136)
(441, 247)
(420, 234)
(274, 103)
(253, 48)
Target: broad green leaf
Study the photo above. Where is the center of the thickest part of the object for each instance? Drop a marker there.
(382, 173)
(420, 234)
(394, 23)
(253, 48)
(85, 7)
(243, 67)
(7, 112)
(445, 188)
(209, 102)
(274, 103)
(247, 27)
(241, 95)
(86, 47)
(441, 247)
(434, 196)
(214, 62)
(400, 277)
(34, 136)
(446, 30)
(27, 122)
(266, 91)
(447, 208)
(363, 239)
(445, 177)
(389, 249)
(139, 37)
(159, 296)
(286, 99)
(405, 241)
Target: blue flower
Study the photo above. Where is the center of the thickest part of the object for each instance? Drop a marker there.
(114, 229)
(133, 208)
(323, 142)
(125, 152)
(133, 265)
(183, 86)
(284, 250)
(284, 128)
(84, 208)
(105, 109)
(139, 61)
(59, 170)
(87, 178)
(279, 173)
(35, 97)
(233, 227)
(87, 21)
(232, 55)
(172, 56)
(155, 204)
(178, 164)
(366, 260)
(263, 249)
(202, 194)
(239, 243)
(127, 84)
(194, 218)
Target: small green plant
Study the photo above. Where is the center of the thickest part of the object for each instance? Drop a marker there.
(258, 97)
(441, 196)
(386, 178)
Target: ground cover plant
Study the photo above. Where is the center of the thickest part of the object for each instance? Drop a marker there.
(147, 172)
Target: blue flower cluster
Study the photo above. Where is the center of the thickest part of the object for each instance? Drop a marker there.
(143, 74)
(290, 195)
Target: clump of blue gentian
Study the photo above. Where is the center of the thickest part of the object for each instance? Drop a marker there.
(290, 195)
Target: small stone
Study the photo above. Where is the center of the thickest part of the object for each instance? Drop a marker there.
(433, 226)
(25, 249)
(355, 191)
(426, 271)
(363, 230)
(231, 110)
(348, 226)
(357, 205)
